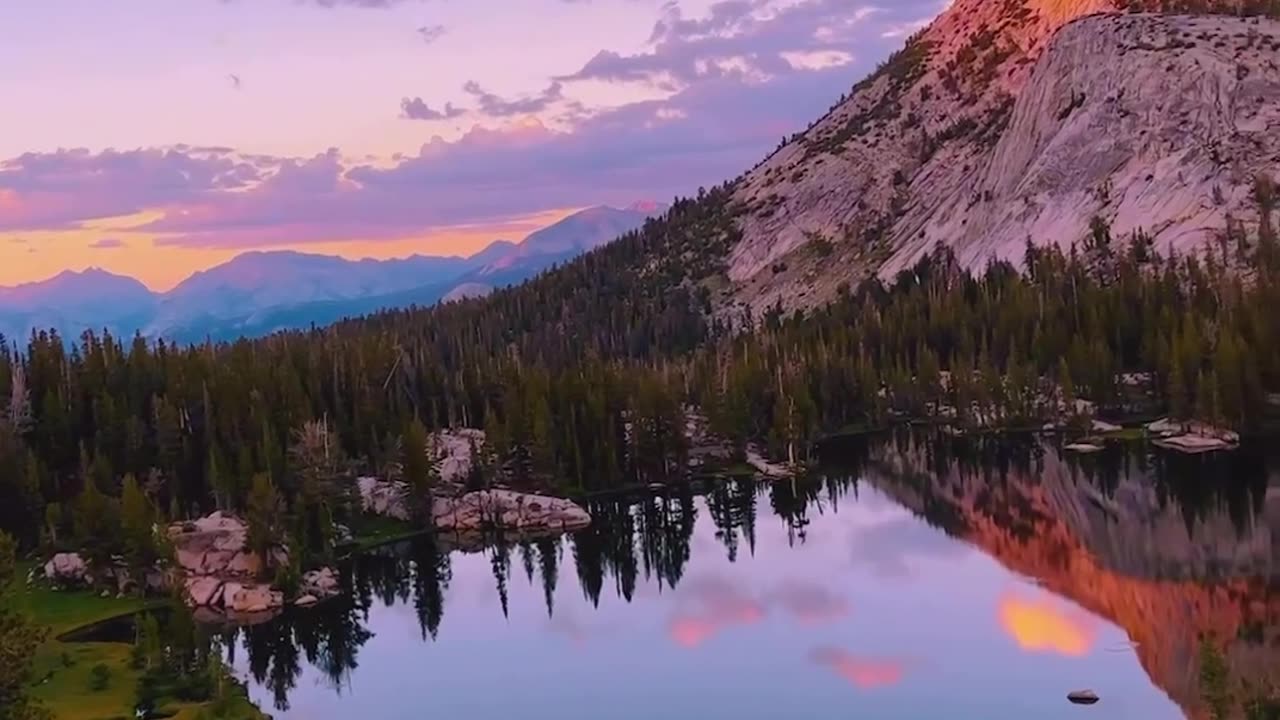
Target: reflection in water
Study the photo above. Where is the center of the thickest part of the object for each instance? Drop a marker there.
(1042, 625)
(863, 673)
(709, 605)
(848, 573)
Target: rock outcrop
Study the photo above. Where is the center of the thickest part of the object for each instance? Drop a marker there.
(68, 569)
(451, 450)
(507, 510)
(219, 568)
(1192, 437)
(1018, 120)
(221, 575)
(320, 584)
(384, 497)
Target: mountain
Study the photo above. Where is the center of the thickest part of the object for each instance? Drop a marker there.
(256, 281)
(1004, 122)
(75, 301)
(576, 234)
(579, 233)
(493, 252)
(257, 293)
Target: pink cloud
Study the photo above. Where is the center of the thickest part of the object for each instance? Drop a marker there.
(708, 606)
(862, 672)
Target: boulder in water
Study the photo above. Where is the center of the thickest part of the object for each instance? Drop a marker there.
(1082, 697)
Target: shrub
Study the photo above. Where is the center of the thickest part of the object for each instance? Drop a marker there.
(99, 677)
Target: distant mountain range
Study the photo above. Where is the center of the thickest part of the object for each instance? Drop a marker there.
(258, 293)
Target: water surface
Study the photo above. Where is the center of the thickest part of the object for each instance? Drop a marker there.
(919, 577)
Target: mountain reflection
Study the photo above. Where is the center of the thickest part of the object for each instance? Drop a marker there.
(1170, 549)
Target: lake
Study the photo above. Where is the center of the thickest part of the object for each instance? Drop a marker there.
(914, 576)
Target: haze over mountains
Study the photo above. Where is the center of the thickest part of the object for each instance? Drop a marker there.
(260, 292)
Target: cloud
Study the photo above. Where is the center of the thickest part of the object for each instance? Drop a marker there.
(431, 33)
(754, 39)
(735, 80)
(416, 109)
(368, 4)
(861, 672)
(107, 244)
(498, 107)
(61, 189)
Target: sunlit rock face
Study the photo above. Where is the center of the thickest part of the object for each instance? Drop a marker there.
(1013, 120)
(1166, 574)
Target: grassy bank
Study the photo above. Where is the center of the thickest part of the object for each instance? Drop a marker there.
(371, 531)
(64, 672)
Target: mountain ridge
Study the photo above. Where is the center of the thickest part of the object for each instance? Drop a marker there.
(890, 172)
(261, 291)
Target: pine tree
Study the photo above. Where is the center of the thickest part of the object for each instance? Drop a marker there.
(95, 521)
(420, 472)
(265, 519)
(137, 520)
(1177, 389)
(19, 640)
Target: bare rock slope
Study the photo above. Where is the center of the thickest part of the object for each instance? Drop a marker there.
(1013, 120)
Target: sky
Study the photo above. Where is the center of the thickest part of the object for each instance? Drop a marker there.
(154, 138)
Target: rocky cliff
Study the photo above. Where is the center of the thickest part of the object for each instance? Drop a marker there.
(1124, 555)
(1013, 120)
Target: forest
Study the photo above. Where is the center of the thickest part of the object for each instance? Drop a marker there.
(582, 378)
(585, 380)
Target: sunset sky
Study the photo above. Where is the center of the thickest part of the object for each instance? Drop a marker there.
(154, 138)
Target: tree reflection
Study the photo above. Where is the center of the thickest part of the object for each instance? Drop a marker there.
(972, 488)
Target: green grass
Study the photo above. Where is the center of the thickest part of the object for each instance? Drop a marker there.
(370, 531)
(1127, 434)
(62, 670)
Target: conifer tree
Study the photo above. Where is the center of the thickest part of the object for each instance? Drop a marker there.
(420, 472)
(19, 640)
(137, 519)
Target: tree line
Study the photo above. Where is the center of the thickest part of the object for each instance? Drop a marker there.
(582, 377)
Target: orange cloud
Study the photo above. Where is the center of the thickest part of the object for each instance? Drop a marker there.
(1045, 626)
(863, 673)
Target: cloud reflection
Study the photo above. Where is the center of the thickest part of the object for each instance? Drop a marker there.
(809, 603)
(862, 672)
(1045, 626)
(711, 604)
